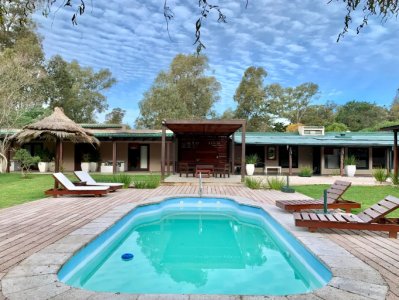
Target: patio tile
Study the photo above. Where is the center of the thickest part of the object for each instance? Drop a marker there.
(32, 270)
(18, 284)
(39, 259)
(332, 293)
(373, 291)
(42, 292)
(74, 294)
(359, 274)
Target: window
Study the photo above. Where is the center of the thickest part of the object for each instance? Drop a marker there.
(283, 156)
(259, 151)
(362, 157)
(379, 158)
(332, 158)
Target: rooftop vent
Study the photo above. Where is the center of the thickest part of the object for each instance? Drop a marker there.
(311, 130)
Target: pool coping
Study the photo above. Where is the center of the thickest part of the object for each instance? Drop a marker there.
(36, 276)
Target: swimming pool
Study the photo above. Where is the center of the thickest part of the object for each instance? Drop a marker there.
(196, 246)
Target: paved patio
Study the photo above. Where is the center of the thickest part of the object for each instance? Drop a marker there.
(28, 228)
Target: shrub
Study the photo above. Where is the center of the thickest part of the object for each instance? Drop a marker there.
(252, 159)
(26, 160)
(123, 178)
(305, 172)
(275, 183)
(394, 179)
(151, 182)
(380, 175)
(253, 183)
(350, 160)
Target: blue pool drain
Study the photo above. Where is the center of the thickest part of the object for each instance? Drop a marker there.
(127, 256)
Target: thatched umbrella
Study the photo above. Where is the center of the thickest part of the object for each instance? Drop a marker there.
(58, 128)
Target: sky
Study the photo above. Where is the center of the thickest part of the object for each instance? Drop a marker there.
(294, 41)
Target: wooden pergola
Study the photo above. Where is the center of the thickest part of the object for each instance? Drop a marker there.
(222, 128)
(395, 130)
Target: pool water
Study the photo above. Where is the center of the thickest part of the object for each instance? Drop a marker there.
(196, 246)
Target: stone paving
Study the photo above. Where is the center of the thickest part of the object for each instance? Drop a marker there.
(33, 274)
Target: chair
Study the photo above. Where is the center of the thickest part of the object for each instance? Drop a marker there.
(85, 177)
(334, 200)
(372, 218)
(186, 168)
(223, 169)
(71, 189)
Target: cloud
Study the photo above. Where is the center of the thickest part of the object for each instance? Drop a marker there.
(295, 41)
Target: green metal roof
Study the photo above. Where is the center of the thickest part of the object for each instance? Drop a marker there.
(329, 139)
(131, 134)
(101, 125)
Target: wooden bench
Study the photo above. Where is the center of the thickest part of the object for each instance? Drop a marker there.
(278, 168)
(204, 169)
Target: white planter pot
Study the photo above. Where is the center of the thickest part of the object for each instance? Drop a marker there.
(51, 166)
(85, 166)
(93, 167)
(350, 170)
(15, 166)
(250, 168)
(107, 169)
(43, 166)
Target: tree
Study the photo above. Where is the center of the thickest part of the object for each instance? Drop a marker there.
(183, 92)
(319, 115)
(26, 161)
(394, 109)
(78, 90)
(360, 114)
(250, 98)
(115, 116)
(336, 127)
(291, 102)
(228, 114)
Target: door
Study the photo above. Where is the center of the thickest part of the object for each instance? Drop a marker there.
(138, 157)
(316, 160)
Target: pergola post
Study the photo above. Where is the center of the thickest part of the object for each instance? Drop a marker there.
(232, 162)
(243, 151)
(341, 161)
(114, 165)
(395, 153)
(289, 160)
(163, 150)
(168, 158)
(57, 162)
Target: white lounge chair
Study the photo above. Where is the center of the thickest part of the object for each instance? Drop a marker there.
(70, 189)
(85, 177)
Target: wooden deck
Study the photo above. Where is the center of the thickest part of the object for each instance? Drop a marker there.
(27, 228)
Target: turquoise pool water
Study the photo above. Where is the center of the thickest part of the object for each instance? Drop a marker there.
(196, 246)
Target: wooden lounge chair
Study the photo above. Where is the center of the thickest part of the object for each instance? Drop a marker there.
(89, 181)
(334, 200)
(71, 189)
(372, 218)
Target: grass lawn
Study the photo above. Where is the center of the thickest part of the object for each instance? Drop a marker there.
(15, 190)
(366, 195)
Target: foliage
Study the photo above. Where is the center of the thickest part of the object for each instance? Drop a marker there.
(115, 116)
(250, 97)
(319, 115)
(350, 160)
(150, 183)
(378, 126)
(305, 171)
(275, 183)
(394, 179)
(78, 90)
(359, 114)
(26, 160)
(336, 127)
(32, 115)
(123, 178)
(253, 183)
(45, 155)
(380, 175)
(185, 84)
(293, 127)
(252, 159)
(290, 102)
(394, 108)
(228, 114)
(86, 157)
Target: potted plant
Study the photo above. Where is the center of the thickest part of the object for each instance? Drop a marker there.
(94, 159)
(43, 164)
(85, 164)
(251, 160)
(350, 165)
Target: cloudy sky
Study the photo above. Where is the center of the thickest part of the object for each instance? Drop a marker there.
(295, 41)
